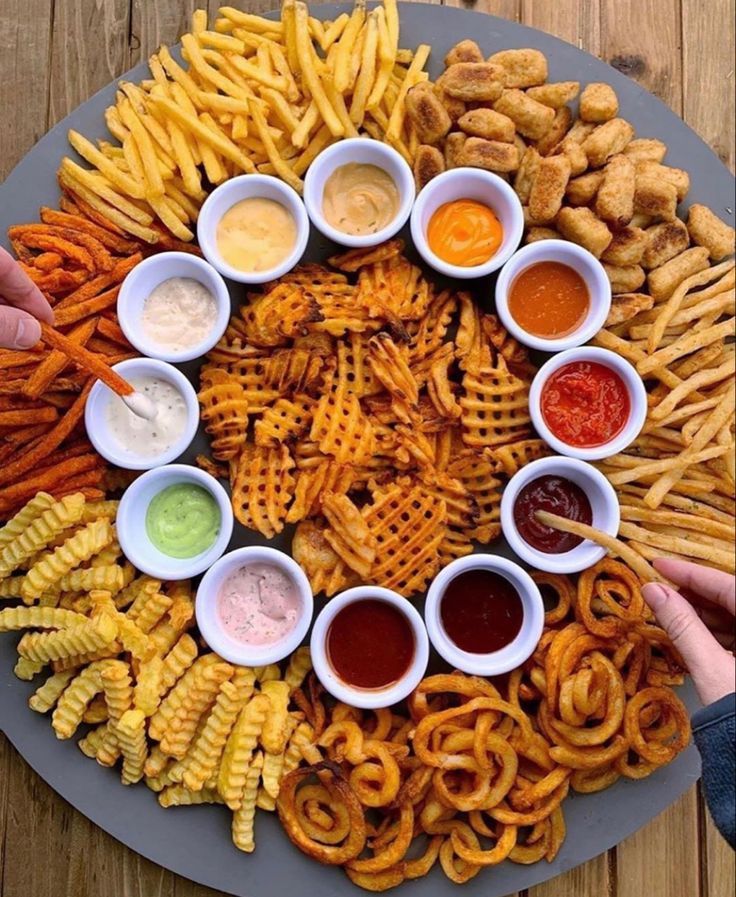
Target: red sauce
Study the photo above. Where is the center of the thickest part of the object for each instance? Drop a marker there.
(481, 611)
(559, 496)
(370, 644)
(585, 404)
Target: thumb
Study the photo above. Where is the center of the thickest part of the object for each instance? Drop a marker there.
(710, 665)
(18, 329)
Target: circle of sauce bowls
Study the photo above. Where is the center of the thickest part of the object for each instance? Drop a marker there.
(361, 150)
(634, 387)
(131, 522)
(95, 415)
(603, 503)
(208, 617)
(228, 194)
(151, 273)
(582, 262)
(519, 649)
(468, 183)
(363, 697)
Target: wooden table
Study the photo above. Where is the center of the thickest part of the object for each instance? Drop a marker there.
(53, 55)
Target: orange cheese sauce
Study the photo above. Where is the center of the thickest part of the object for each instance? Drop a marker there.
(549, 300)
(465, 233)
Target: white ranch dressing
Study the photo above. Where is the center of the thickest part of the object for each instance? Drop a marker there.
(179, 314)
(148, 437)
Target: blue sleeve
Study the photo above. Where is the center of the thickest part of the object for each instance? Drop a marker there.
(714, 730)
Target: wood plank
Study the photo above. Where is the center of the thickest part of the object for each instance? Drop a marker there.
(663, 858)
(576, 21)
(707, 62)
(4, 770)
(585, 881)
(25, 39)
(642, 39)
(89, 49)
(719, 861)
(504, 9)
(152, 24)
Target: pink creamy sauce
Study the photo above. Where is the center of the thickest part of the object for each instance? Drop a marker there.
(258, 604)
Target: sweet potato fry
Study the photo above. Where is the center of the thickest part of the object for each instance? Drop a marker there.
(56, 361)
(81, 357)
(82, 310)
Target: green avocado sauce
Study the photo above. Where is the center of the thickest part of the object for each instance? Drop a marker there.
(183, 520)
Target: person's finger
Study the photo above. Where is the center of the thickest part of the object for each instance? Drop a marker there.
(18, 329)
(17, 288)
(711, 667)
(716, 586)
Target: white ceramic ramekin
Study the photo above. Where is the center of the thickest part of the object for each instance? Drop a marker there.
(634, 386)
(131, 523)
(250, 186)
(496, 662)
(208, 618)
(144, 279)
(603, 504)
(468, 183)
(365, 151)
(575, 257)
(100, 396)
(360, 697)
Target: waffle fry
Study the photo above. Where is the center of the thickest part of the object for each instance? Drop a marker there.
(225, 413)
(262, 488)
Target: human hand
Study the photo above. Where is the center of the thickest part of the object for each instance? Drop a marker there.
(22, 305)
(700, 622)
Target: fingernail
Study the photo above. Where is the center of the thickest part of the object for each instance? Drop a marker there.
(654, 595)
(27, 333)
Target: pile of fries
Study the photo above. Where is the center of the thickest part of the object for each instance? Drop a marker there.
(122, 661)
(254, 94)
(482, 769)
(322, 390)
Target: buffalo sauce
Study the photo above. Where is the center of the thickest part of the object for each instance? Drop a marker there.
(549, 300)
(481, 611)
(370, 644)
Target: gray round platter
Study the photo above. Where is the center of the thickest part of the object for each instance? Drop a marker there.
(195, 841)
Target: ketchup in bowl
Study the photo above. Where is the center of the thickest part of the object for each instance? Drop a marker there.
(481, 611)
(585, 404)
(557, 495)
(370, 644)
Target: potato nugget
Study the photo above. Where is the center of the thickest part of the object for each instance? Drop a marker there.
(532, 119)
(428, 163)
(581, 191)
(522, 68)
(465, 51)
(583, 227)
(556, 132)
(453, 147)
(535, 234)
(548, 188)
(526, 173)
(614, 201)
(627, 246)
(655, 197)
(473, 81)
(429, 117)
(488, 124)
(706, 229)
(598, 103)
(663, 281)
(646, 149)
(555, 94)
(607, 140)
(679, 178)
(624, 279)
(492, 155)
(626, 306)
(664, 241)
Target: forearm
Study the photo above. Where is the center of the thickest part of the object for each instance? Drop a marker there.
(714, 730)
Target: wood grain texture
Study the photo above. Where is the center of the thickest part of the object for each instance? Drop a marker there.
(48, 66)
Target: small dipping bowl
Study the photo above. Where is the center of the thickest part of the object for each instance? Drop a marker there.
(603, 504)
(131, 523)
(208, 617)
(468, 183)
(151, 273)
(514, 654)
(575, 257)
(369, 699)
(634, 386)
(361, 150)
(250, 186)
(100, 396)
